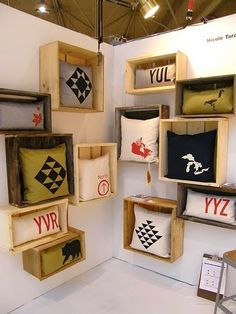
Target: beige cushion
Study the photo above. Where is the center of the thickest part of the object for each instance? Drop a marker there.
(36, 225)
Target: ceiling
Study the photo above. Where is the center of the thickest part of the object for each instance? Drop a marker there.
(122, 23)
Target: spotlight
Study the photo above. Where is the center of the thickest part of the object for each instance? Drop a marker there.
(148, 8)
(42, 7)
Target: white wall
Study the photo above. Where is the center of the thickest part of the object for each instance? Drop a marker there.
(21, 37)
(204, 59)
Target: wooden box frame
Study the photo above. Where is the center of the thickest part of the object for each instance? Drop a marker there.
(194, 126)
(51, 54)
(91, 151)
(178, 58)
(182, 198)
(18, 96)
(137, 112)
(7, 214)
(214, 80)
(32, 262)
(160, 205)
(14, 177)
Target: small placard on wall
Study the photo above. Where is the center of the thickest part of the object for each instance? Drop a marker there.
(209, 278)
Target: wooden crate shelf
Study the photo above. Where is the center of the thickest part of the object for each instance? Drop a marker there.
(14, 176)
(50, 56)
(146, 62)
(35, 260)
(200, 85)
(182, 198)
(194, 126)
(8, 213)
(137, 112)
(91, 151)
(159, 205)
(24, 112)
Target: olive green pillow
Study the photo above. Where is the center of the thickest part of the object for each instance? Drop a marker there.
(56, 257)
(44, 173)
(208, 101)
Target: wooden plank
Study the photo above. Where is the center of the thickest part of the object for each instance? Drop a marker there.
(32, 258)
(13, 143)
(182, 198)
(51, 54)
(194, 126)
(159, 205)
(145, 62)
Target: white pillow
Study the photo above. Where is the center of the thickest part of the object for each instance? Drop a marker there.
(151, 232)
(139, 139)
(34, 226)
(94, 178)
(212, 207)
(154, 77)
(75, 85)
(21, 116)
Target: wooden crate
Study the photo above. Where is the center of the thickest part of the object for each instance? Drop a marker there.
(51, 54)
(159, 205)
(8, 213)
(33, 258)
(178, 58)
(90, 151)
(13, 143)
(194, 126)
(182, 198)
(215, 81)
(15, 97)
(140, 113)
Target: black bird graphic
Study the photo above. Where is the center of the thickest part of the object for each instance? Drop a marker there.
(212, 102)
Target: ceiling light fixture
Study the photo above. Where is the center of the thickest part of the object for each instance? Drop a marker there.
(148, 8)
(42, 7)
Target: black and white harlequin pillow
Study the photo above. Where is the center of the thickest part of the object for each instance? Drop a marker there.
(151, 232)
(75, 85)
(191, 157)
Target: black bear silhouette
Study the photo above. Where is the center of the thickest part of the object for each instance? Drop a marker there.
(71, 249)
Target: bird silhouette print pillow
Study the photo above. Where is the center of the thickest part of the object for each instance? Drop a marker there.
(208, 101)
(151, 231)
(191, 157)
(139, 139)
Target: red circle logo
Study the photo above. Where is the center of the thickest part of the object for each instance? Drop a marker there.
(103, 187)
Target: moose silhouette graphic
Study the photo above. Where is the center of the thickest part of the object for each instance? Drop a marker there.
(71, 249)
(139, 148)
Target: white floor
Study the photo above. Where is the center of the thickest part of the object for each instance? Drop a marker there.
(116, 287)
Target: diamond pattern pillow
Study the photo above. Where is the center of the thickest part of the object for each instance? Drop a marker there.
(75, 85)
(151, 232)
(44, 173)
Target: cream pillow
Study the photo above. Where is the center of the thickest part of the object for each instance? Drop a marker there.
(94, 178)
(210, 206)
(151, 232)
(139, 139)
(154, 77)
(34, 226)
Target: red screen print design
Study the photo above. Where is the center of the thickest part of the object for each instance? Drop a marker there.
(103, 185)
(50, 221)
(37, 117)
(139, 148)
(217, 206)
